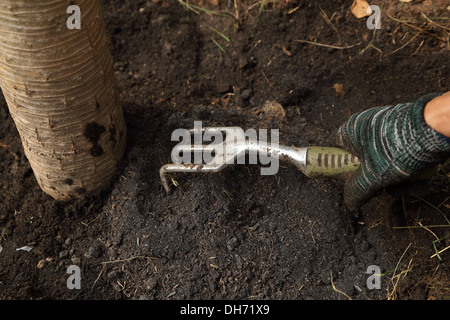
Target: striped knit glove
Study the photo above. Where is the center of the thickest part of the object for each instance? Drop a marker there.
(393, 143)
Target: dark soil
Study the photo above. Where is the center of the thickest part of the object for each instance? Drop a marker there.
(237, 234)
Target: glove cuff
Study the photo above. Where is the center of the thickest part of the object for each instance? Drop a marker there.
(432, 141)
(444, 137)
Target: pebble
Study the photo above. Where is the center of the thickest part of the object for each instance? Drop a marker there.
(92, 251)
(243, 62)
(41, 264)
(232, 243)
(174, 225)
(112, 274)
(150, 283)
(246, 94)
(223, 87)
(117, 239)
(68, 242)
(5, 232)
(63, 254)
(75, 259)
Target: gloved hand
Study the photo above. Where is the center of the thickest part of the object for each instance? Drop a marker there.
(393, 143)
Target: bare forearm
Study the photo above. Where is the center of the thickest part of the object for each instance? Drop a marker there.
(437, 114)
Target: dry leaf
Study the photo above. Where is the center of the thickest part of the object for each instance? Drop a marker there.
(273, 109)
(360, 9)
(339, 87)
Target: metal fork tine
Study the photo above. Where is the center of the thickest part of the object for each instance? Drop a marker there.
(235, 131)
(166, 169)
(194, 148)
(228, 149)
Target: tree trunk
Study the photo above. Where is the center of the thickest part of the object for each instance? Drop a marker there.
(60, 89)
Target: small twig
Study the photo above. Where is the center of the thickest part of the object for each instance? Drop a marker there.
(228, 194)
(370, 45)
(432, 22)
(328, 21)
(293, 10)
(267, 79)
(439, 252)
(328, 45)
(98, 277)
(424, 227)
(337, 290)
(418, 48)
(434, 207)
(398, 49)
(236, 10)
(395, 270)
(7, 148)
(429, 226)
(415, 27)
(198, 9)
(129, 259)
(312, 235)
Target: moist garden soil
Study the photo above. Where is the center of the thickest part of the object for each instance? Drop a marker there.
(238, 234)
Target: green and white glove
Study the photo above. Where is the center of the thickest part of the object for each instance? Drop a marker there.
(393, 143)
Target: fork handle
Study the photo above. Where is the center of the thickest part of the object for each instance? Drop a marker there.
(329, 161)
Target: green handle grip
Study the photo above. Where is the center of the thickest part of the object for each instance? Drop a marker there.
(329, 161)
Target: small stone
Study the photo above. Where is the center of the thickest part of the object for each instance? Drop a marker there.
(325, 277)
(232, 243)
(246, 94)
(223, 87)
(68, 242)
(75, 259)
(167, 48)
(41, 263)
(63, 254)
(150, 283)
(243, 62)
(91, 252)
(174, 225)
(5, 232)
(112, 274)
(117, 240)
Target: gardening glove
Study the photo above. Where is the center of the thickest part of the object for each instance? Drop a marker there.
(393, 144)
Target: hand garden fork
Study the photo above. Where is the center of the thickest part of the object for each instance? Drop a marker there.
(313, 161)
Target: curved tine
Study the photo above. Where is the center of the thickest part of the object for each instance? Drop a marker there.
(214, 132)
(215, 129)
(165, 169)
(193, 147)
(201, 155)
(236, 132)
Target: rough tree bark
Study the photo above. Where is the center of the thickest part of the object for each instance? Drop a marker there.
(60, 89)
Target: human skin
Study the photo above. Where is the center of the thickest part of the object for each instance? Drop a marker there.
(437, 114)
